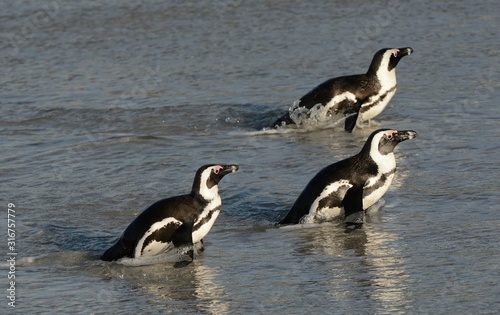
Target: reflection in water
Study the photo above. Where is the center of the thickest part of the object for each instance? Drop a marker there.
(192, 287)
(368, 269)
(390, 280)
(208, 292)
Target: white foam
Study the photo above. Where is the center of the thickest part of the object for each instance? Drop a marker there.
(317, 117)
(376, 206)
(269, 131)
(294, 129)
(25, 261)
(306, 225)
(169, 257)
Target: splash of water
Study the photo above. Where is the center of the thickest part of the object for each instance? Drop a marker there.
(316, 117)
(169, 257)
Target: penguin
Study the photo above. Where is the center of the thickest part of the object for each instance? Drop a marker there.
(175, 222)
(359, 97)
(352, 185)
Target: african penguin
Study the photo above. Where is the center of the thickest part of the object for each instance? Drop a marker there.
(179, 221)
(358, 97)
(352, 185)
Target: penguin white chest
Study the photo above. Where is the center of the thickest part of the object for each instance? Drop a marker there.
(377, 186)
(206, 219)
(376, 189)
(377, 103)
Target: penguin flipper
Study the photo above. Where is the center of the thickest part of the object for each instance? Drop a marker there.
(350, 122)
(353, 206)
(353, 111)
(183, 240)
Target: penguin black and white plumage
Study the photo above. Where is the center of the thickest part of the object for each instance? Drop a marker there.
(358, 97)
(176, 221)
(352, 185)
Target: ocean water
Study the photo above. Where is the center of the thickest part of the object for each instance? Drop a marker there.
(108, 107)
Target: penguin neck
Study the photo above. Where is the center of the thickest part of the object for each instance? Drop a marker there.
(375, 66)
(385, 162)
(205, 193)
(380, 70)
(386, 78)
(205, 187)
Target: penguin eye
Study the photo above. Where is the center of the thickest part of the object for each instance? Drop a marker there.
(217, 169)
(390, 134)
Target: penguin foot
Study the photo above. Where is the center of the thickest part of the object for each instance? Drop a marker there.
(198, 247)
(350, 227)
(373, 123)
(362, 124)
(182, 263)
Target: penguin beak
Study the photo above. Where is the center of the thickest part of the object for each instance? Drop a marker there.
(227, 169)
(404, 51)
(397, 54)
(403, 135)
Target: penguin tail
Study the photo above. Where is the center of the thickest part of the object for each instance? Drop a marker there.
(115, 252)
(283, 121)
(288, 219)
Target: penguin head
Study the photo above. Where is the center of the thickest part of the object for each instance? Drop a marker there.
(208, 176)
(387, 59)
(383, 141)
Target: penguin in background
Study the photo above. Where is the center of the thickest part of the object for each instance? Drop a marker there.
(359, 97)
(348, 187)
(175, 222)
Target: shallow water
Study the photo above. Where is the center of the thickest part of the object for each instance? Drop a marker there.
(107, 108)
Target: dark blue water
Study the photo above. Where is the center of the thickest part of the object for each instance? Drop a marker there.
(108, 107)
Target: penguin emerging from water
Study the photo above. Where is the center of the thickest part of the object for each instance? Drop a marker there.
(180, 221)
(360, 97)
(351, 185)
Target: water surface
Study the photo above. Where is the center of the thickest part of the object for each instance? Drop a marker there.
(107, 108)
